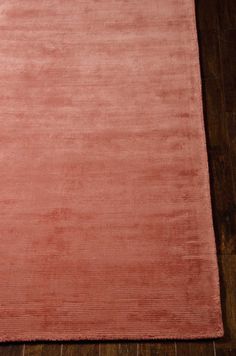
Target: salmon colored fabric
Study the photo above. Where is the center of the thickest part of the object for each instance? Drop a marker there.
(106, 227)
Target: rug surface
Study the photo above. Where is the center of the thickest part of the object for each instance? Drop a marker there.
(106, 228)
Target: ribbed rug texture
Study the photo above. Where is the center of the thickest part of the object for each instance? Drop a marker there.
(106, 226)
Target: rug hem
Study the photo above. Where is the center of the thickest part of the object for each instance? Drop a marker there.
(216, 335)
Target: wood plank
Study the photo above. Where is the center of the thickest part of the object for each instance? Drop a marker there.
(231, 129)
(80, 349)
(163, 348)
(223, 203)
(207, 14)
(33, 349)
(108, 349)
(228, 293)
(128, 349)
(209, 53)
(118, 349)
(213, 112)
(204, 348)
(228, 58)
(227, 11)
(226, 352)
(9, 349)
(42, 349)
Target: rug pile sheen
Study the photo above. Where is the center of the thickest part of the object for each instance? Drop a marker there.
(106, 227)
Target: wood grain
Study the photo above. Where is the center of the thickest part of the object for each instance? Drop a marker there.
(11, 350)
(228, 57)
(195, 348)
(158, 348)
(44, 349)
(207, 14)
(228, 277)
(118, 349)
(227, 13)
(80, 349)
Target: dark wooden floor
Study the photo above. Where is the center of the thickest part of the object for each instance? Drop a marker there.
(217, 36)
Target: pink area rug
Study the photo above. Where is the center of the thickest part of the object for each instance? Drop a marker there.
(106, 227)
